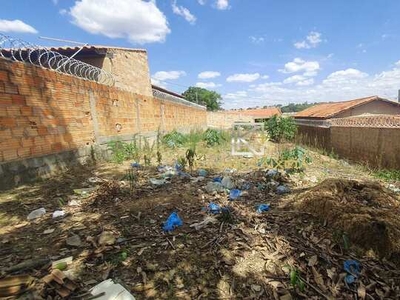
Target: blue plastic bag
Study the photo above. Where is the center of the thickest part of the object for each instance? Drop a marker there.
(135, 165)
(172, 222)
(217, 179)
(214, 208)
(178, 167)
(353, 269)
(234, 194)
(282, 189)
(262, 207)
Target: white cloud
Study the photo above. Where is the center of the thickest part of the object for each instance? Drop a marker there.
(158, 83)
(16, 26)
(63, 12)
(201, 2)
(55, 2)
(257, 39)
(168, 75)
(207, 85)
(264, 77)
(136, 20)
(344, 77)
(222, 4)
(184, 12)
(306, 82)
(243, 77)
(309, 68)
(312, 40)
(235, 95)
(208, 74)
(294, 79)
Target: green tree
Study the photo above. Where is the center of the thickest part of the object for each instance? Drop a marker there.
(281, 128)
(211, 99)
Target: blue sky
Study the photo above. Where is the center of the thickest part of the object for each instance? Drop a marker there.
(252, 52)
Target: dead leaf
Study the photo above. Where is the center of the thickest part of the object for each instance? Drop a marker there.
(313, 261)
(361, 291)
(318, 279)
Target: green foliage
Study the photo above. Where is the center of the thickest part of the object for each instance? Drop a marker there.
(190, 157)
(159, 157)
(295, 279)
(281, 128)
(122, 151)
(211, 99)
(214, 137)
(388, 175)
(132, 177)
(182, 162)
(296, 107)
(174, 139)
(290, 159)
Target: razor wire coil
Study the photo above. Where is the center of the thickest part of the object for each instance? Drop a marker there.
(22, 51)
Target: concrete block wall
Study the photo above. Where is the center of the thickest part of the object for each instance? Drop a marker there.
(44, 113)
(225, 119)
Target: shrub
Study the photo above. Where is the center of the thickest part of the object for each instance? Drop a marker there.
(214, 137)
(174, 139)
(281, 128)
(292, 160)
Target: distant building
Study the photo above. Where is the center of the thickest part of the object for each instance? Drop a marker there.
(259, 115)
(319, 114)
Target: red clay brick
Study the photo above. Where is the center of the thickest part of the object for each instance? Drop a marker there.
(7, 122)
(13, 111)
(42, 130)
(10, 154)
(10, 88)
(4, 76)
(24, 152)
(18, 99)
(26, 110)
(27, 142)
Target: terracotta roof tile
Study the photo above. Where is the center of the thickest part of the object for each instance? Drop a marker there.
(329, 110)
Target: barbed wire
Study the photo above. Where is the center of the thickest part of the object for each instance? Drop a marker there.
(20, 50)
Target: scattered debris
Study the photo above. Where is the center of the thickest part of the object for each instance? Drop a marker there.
(172, 222)
(207, 220)
(353, 269)
(62, 264)
(28, 264)
(58, 213)
(60, 283)
(158, 182)
(234, 194)
(74, 241)
(202, 172)
(106, 238)
(16, 285)
(108, 290)
(262, 208)
(214, 208)
(282, 189)
(48, 231)
(227, 182)
(214, 187)
(37, 213)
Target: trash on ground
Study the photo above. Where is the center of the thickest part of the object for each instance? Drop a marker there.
(246, 186)
(262, 207)
(85, 191)
(58, 213)
(110, 291)
(94, 180)
(60, 283)
(16, 285)
(207, 220)
(282, 189)
(229, 171)
(74, 203)
(48, 231)
(37, 213)
(353, 269)
(214, 208)
(217, 179)
(393, 188)
(202, 172)
(197, 179)
(62, 264)
(158, 182)
(272, 173)
(214, 187)
(234, 194)
(172, 222)
(106, 238)
(135, 165)
(74, 241)
(27, 265)
(227, 182)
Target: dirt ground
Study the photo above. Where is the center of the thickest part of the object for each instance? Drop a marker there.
(296, 250)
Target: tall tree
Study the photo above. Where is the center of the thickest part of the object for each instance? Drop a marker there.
(211, 99)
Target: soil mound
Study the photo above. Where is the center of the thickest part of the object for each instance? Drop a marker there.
(366, 211)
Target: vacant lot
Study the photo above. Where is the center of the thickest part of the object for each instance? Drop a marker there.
(113, 228)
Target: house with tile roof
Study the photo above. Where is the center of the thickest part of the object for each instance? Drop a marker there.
(259, 115)
(320, 114)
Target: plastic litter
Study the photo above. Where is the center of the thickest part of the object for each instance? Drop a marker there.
(214, 187)
(37, 213)
(262, 207)
(204, 223)
(214, 208)
(353, 269)
(197, 179)
(282, 189)
(111, 290)
(135, 165)
(217, 179)
(58, 213)
(394, 188)
(178, 167)
(229, 171)
(202, 172)
(184, 174)
(227, 182)
(246, 186)
(158, 182)
(234, 194)
(272, 173)
(172, 222)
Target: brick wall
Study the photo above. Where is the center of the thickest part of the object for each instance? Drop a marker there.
(43, 112)
(226, 119)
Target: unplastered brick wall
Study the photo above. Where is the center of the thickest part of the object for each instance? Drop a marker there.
(226, 119)
(43, 112)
